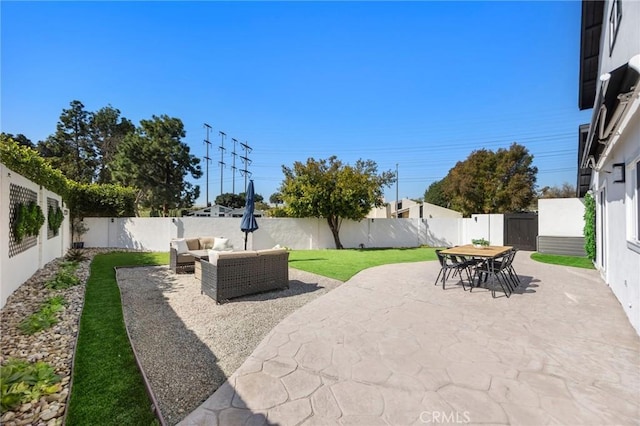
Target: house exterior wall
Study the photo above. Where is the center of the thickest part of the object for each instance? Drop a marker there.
(432, 211)
(618, 248)
(411, 210)
(618, 251)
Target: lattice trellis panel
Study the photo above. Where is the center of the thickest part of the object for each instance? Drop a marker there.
(19, 195)
(53, 203)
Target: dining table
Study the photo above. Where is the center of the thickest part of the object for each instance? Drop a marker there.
(479, 253)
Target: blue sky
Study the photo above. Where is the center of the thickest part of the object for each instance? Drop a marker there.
(418, 84)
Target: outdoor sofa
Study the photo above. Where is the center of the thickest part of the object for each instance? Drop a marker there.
(233, 274)
(184, 251)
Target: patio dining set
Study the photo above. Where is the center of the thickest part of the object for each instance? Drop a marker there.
(487, 267)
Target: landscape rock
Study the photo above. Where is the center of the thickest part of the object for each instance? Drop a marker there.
(54, 346)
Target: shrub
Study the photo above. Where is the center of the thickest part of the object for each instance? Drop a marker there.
(590, 226)
(28, 221)
(65, 277)
(75, 256)
(55, 217)
(23, 382)
(44, 318)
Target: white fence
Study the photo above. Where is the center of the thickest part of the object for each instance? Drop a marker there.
(301, 234)
(561, 217)
(16, 268)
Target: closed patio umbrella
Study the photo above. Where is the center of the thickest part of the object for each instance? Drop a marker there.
(248, 223)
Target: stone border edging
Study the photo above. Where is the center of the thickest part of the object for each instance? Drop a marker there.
(75, 349)
(155, 406)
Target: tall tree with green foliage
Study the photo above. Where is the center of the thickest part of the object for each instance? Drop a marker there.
(71, 148)
(493, 182)
(332, 190)
(437, 195)
(230, 200)
(275, 198)
(157, 162)
(108, 130)
(20, 139)
(236, 201)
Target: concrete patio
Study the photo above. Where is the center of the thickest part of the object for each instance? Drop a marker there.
(389, 347)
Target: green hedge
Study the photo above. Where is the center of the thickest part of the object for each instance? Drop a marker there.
(86, 200)
(82, 199)
(590, 226)
(29, 164)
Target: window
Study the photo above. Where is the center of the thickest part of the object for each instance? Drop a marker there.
(614, 23)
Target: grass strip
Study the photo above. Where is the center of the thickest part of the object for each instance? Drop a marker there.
(108, 388)
(554, 259)
(343, 264)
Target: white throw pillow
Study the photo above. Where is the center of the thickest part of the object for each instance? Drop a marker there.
(180, 245)
(220, 244)
(213, 256)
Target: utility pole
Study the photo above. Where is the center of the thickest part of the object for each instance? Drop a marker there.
(397, 190)
(233, 166)
(245, 159)
(221, 162)
(207, 159)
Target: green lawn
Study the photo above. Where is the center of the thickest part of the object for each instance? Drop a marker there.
(554, 259)
(108, 388)
(343, 264)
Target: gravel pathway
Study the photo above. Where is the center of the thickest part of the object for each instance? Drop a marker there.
(187, 344)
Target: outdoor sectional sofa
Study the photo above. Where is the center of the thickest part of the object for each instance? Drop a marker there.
(183, 251)
(233, 274)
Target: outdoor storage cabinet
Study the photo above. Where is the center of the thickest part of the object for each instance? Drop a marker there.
(236, 274)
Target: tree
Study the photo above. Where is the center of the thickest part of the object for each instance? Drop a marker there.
(231, 200)
(236, 201)
(154, 160)
(275, 198)
(565, 191)
(436, 194)
(108, 130)
(20, 139)
(334, 191)
(71, 149)
(488, 182)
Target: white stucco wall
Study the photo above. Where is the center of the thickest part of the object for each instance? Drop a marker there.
(17, 269)
(561, 217)
(300, 234)
(442, 232)
(620, 265)
(487, 226)
(618, 249)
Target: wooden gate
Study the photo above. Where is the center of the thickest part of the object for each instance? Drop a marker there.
(521, 230)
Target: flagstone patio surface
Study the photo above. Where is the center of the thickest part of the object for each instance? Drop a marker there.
(390, 348)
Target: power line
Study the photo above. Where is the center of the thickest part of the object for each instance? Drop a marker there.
(221, 162)
(207, 159)
(233, 166)
(245, 159)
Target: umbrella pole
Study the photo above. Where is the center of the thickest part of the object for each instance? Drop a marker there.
(246, 235)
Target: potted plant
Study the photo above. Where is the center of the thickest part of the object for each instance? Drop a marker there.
(480, 243)
(78, 229)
